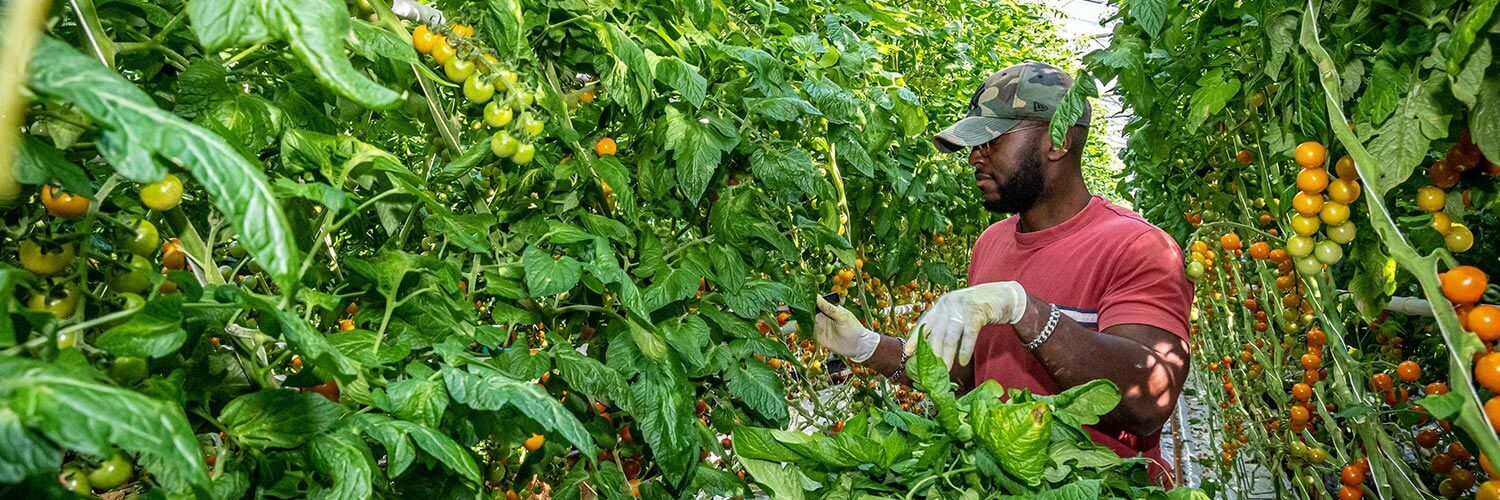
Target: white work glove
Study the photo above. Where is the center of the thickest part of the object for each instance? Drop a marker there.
(837, 329)
(952, 324)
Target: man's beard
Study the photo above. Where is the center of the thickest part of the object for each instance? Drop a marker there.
(1021, 191)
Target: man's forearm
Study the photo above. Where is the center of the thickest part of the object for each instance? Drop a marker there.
(1074, 355)
(887, 359)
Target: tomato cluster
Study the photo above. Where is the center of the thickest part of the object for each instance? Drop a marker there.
(507, 102)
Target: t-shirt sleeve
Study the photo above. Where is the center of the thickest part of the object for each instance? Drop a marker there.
(1148, 287)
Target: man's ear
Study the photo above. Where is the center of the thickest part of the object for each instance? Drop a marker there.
(1056, 152)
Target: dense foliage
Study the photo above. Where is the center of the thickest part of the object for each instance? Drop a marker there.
(546, 247)
(1325, 161)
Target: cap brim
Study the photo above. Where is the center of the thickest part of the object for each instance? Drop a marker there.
(972, 131)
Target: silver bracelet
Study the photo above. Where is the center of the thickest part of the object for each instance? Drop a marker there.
(1046, 330)
(900, 368)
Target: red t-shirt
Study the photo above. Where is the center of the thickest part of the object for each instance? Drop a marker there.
(1105, 266)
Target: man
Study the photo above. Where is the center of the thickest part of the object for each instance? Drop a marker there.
(1070, 289)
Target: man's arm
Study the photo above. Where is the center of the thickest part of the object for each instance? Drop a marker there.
(1149, 364)
(887, 359)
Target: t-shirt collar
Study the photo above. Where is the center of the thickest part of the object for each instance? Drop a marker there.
(1051, 234)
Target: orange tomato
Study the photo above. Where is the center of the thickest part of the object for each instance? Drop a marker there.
(605, 147)
(1408, 371)
(1492, 412)
(1307, 204)
(1230, 241)
(534, 442)
(1464, 284)
(1345, 168)
(1312, 180)
(1487, 371)
(1244, 157)
(1484, 321)
(1311, 154)
(1260, 250)
(1343, 191)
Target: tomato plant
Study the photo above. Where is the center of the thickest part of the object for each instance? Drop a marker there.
(1365, 347)
(296, 248)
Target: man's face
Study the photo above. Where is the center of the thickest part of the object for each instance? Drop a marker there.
(1009, 169)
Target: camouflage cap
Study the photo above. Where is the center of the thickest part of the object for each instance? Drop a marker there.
(1027, 91)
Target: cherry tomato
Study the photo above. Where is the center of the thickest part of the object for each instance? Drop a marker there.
(476, 90)
(1345, 168)
(522, 99)
(1305, 225)
(605, 147)
(45, 263)
(1302, 392)
(329, 389)
(1311, 154)
(503, 145)
(127, 370)
(1430, 199)
(1443, 175)
(111, 473)
(1256, 99)
(442, 51)
(1464, 284)
(62, 205)
(531, 125)
(1342, 233)
(497, 114)
(505, 80)
(586, 96)
(136, 278)
(1334, 213)
(1317, 456)
(1260, 250)
(1459, 239)
(1299, 246)
(463, 30)
(1408, 371)
(1484, 321)
(457, 70)
(144, 239)
(76, 481)
(524, 153)
(163, 195)
(534, 442)
(1487, 371)
(1441, 223)
(1312, 180)
(1307, 204)
(1347, 492)
(1490, 490)
(424, 40)
(1312, 265)
(1195, 270)
(1244, 157)
(60, 307)
(1492, 412)
(174, 259)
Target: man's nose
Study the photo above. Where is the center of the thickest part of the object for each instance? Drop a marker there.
(975, 154)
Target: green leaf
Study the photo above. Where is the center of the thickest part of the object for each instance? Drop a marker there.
(846, 142)
(40, 163)
(487, 389)
(1151, 14)
(153, 332)
(784, 109)
(1465, 32)
(590, 377)
(346, 459)
(663, 401)
(316, 30)
(787, 170)
(136, 132)
(758, 386)
(387, 270)
(278, 418)
(1442, 407)
(681, 76)
(249, 122)
(837, 104)
(781, 482)
(365, 346)
(25, 453)
(1383, 94)
(316, 192)
(1017, 434)
(547, 276)
(1083, 489)
(313, 345)
(509, 37)
(1374, 276)
(687, 337)
(1484, 122)
(761, 444)
(697, 145)
(79, 414)
(228, 23)
(629, 80)
(1279, 32)
(1073, 105)
(434, 443)
(470, 231)
(1402, 142)
(1212, 94)
(1466, 83)
(756, 297)
(1084, 404)
(373, 42)
(418, 400)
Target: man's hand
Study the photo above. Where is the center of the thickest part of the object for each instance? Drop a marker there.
(837, 329)
(952, 325)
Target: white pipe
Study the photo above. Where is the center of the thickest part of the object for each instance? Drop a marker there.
(412, 11)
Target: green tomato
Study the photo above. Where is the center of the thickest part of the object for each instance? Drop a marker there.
(1210, 216)
(1328, 252)
(1299, 449)
(477, 90)
(458, 70)
(497, 114)
(76, 481)
(110, 474)
(145, 239)
(522, 99)
(1308, 266)
(531, 125)
(45, 262)
(128, 370)
(1342, 233)
(1195, 270)
(60, 307)
(136, 279)
(1317, 456)
(67, 340)
(1299, 246)
(503, 145)
(524, 153)
(164, 195)
(505, 80)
